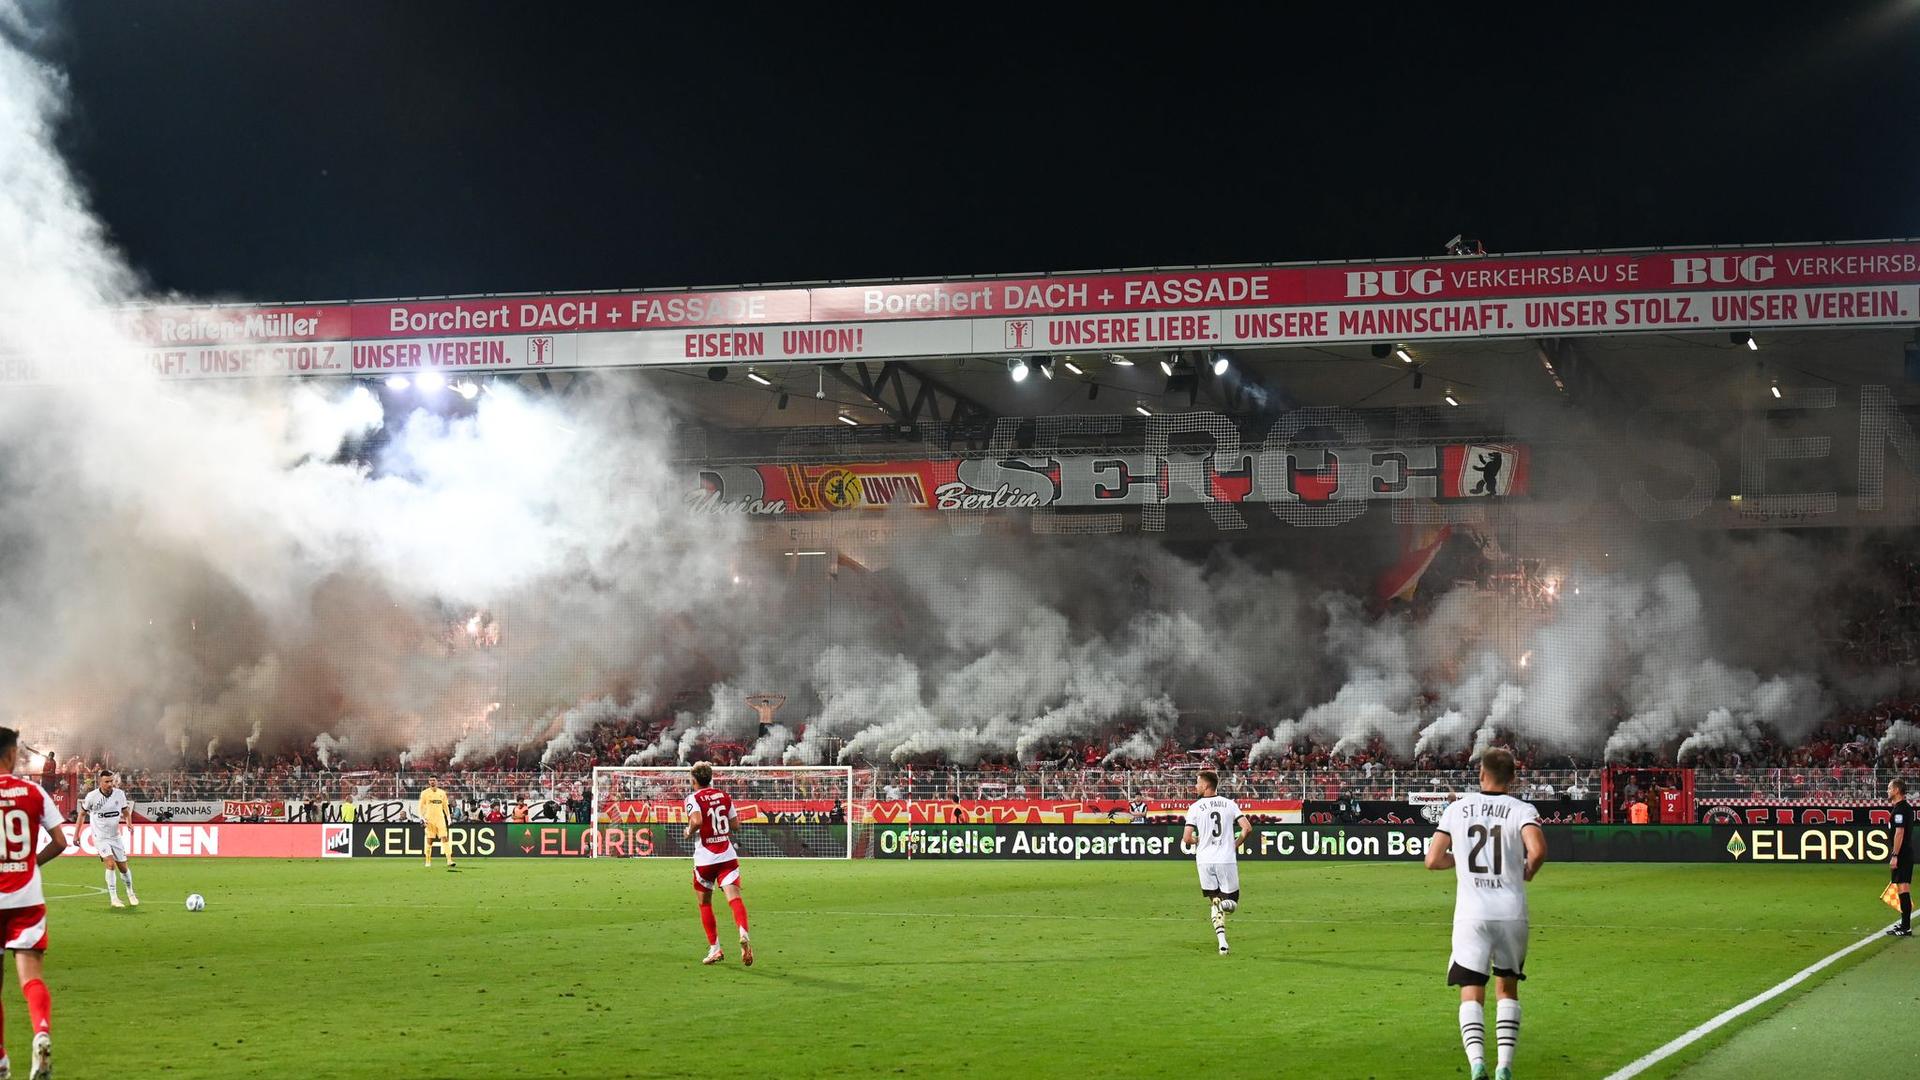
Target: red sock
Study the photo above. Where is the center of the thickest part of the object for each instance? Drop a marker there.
(707, 922)
(39, 1005)
(739, 907)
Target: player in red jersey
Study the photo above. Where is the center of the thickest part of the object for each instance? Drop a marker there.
(710, 817)
(25, 809)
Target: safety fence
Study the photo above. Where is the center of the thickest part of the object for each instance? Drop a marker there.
(1059, 795)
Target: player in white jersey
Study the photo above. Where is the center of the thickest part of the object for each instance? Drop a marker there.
(107, 809)
(1495, 845)
(1215, 827)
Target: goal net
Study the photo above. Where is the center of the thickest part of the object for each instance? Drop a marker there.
(782, 812)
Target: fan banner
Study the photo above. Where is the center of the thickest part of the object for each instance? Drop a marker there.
(1062, 811)
(1442, 472)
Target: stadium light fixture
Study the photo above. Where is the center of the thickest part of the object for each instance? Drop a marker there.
(1451, 400)
(1380, 351)
(717, 374)
(1776, 389)
(1401, 352)
(1045, 364)
(781, 402)
(1118, 361)
(467, 388)
(1093, 391)
(1017, 368)
(759, 378)
(1742, 337)
(1142, 410)
(430, 382)
(1220, 364)
(1071, 366)
(1419, 375)
(848, 420)
(1166, 367)
(398, 382)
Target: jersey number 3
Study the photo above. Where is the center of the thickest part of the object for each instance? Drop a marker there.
(1480, 834)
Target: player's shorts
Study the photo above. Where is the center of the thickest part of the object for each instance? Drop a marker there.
(1482, 945)
(1220, 880)
(1903, 872)
(721, 874)
(112, 849)
(436, 832)
(23, 927)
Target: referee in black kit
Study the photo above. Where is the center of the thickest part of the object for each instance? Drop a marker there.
(1901, 821)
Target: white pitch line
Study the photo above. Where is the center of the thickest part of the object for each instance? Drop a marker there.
(1261, 918)
(1044, 916)
(1640, 1065)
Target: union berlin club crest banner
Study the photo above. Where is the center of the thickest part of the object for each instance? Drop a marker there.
(1449, 472)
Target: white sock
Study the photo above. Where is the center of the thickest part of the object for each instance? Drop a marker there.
(127, 876)
(1506, 1030)
(1219, 922)
(1473, 1032)
(113, 884)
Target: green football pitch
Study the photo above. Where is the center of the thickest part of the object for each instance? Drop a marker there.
(512, 968)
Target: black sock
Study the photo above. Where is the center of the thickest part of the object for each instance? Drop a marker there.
(1906, 911)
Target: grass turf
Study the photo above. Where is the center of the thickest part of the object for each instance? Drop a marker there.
(379, 968)
(1859, 1023)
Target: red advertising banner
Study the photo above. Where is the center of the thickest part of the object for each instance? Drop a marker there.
(635, 811)
(1764, 812)
(1454, 297)
(1773, 273)
(255, 809)
(1447, 278)
(216, 840)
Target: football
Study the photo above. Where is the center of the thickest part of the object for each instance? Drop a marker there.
(196, 902)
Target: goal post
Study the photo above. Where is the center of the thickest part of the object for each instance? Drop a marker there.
(783, 811)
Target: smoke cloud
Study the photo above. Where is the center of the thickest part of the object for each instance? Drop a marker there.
(332, 567)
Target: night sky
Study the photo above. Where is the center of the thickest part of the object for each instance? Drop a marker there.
(330, 150)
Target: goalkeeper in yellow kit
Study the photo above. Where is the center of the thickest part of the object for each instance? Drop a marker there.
(433, 811)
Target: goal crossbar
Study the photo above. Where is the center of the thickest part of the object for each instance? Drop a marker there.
(783, 811)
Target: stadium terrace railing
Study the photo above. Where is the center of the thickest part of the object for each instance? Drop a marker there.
(471, 791)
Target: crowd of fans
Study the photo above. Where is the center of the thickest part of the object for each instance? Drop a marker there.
(1880, 627)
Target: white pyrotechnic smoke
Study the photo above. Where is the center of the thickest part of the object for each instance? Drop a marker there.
(198, 564)
(1899, 733)
(248, 580)
(328, 748)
